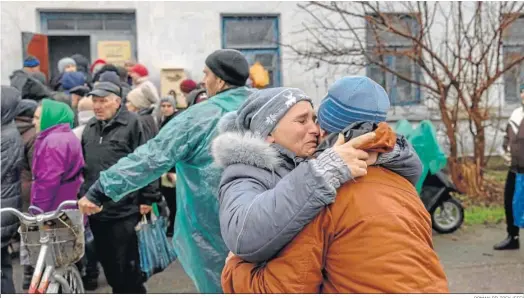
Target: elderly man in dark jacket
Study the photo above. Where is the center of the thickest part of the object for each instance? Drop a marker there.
(114, 133)
(12, 152)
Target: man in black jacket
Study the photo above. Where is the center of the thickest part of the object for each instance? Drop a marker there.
(12, 154)
(112, 134)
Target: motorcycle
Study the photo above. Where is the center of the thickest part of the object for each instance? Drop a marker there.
(447, 212)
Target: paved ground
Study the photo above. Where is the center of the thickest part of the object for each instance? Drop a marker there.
(467, 255)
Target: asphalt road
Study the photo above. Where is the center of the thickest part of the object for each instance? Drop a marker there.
(472, 266)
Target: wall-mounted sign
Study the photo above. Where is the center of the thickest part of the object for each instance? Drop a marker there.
(115, 52)
(170, 79)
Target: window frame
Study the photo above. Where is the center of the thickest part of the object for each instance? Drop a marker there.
(389, 61)
(257, 49)
(510, 44)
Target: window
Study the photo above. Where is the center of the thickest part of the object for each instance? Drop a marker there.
(257, 37)
(512, 49)
(401, 92)
(71, 21)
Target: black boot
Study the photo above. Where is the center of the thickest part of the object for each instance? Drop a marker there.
(28, 275)
(511, 242)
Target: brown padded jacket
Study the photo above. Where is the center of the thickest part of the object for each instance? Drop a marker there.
(375, 238)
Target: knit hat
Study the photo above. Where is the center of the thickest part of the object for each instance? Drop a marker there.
(229, 65)
(263, 109)
(521, 87)
(141, 98)
(97, 65)
(139, 69)
(64, 62)
(72, 79)
(54, 113)
(31, 61)
(187, 86)
(170, 99)
(350, 100)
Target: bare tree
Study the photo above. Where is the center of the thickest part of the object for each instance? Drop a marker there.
(457, 49)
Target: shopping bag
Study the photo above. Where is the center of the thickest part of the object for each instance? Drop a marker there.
(149, 259)
(156, 251)
(518, 201)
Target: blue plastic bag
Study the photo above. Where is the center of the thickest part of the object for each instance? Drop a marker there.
(518, 201)
(156, 252)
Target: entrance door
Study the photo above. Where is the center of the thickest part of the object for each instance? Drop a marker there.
(34, 44)
(67, 46)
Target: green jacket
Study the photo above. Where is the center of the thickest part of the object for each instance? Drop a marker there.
(185, 142)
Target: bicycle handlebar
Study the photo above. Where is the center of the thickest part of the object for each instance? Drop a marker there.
(39, 217)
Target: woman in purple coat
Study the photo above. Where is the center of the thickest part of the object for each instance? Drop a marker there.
(57, 164)
(57, 159)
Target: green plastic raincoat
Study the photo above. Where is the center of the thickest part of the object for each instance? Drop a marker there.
(184, 141)
(424, 140)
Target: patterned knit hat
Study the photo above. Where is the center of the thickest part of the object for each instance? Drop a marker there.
(262, 110)
(350, 100)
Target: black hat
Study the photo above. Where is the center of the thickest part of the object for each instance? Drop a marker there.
(229, 65)
(103, 89)
(79, 90)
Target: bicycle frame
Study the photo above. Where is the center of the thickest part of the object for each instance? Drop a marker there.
(45, 273)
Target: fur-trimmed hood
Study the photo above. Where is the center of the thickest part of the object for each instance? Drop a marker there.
(237, 146)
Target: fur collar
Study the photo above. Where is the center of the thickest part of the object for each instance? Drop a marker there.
(244, 148)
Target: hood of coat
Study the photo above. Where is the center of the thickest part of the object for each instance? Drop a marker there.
(10, 98)
(55, 113)
(27, 108)
(71, 80)
(30, 87)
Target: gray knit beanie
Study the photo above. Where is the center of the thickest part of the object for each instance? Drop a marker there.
(65, 62)
(170, 99)
(262, 110)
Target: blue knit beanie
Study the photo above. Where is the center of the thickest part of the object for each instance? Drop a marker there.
(521, 87)
(31, 61)
(350, 100)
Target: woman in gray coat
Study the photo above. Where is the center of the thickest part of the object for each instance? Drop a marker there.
(271, 187)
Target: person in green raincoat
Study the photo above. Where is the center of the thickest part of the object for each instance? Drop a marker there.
(185, 142)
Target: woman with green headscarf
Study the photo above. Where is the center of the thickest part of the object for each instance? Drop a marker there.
(57, 159)
(57, 163)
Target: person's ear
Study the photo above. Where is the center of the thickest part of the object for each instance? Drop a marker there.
(270, 139)
(221, 84)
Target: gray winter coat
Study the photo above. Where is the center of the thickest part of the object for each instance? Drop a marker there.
(12, 157)
(267, 195)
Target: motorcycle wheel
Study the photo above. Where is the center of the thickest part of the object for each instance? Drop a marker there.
(448, 216)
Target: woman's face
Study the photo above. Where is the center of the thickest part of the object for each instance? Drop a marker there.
(297, 130)
(167, 109)
(36, 118)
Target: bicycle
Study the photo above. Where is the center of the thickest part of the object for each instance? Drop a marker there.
(55, 242)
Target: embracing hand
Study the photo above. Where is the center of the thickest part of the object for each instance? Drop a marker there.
(356, 160)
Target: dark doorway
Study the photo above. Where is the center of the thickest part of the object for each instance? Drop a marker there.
(66, 46)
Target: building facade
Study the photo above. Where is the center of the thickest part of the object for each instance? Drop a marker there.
(163, 35)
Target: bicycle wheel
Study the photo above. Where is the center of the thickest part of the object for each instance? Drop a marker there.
(72, 278)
